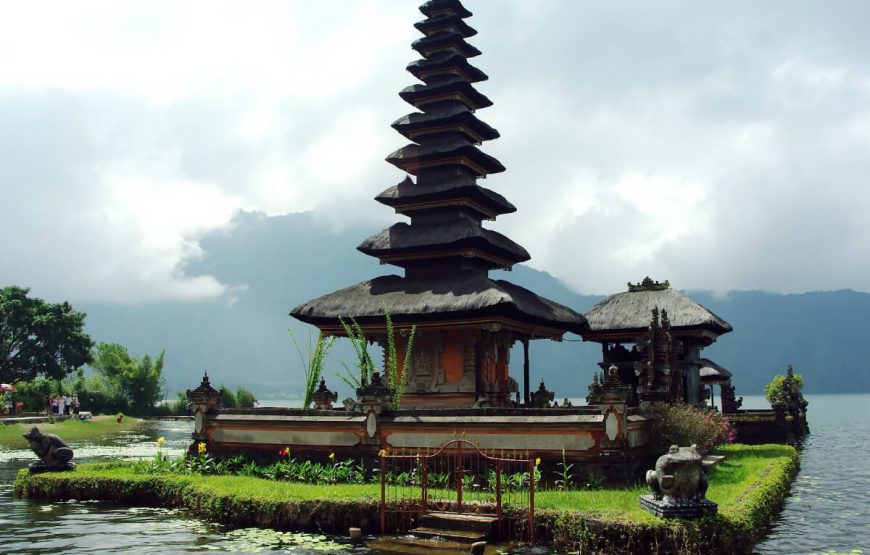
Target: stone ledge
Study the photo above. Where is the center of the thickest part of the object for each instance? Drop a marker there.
(679, 509)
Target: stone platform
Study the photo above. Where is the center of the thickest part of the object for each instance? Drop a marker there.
(678, 509)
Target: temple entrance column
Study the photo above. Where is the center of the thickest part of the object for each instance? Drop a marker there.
(526, 371)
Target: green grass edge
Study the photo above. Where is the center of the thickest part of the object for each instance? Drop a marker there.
(245, 502)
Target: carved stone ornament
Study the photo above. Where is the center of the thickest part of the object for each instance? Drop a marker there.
(678, 485)
(375, 395)
(204, 396)
(323, 397)
(648, 285)
(542, 398)
(595, 391)
(54, 454)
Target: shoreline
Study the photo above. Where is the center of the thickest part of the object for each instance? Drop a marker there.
(68, 429)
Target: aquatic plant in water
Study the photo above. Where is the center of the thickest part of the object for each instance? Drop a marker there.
(256, 540)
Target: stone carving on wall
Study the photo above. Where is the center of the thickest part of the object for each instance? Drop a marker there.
(658, 377)
(730, 402)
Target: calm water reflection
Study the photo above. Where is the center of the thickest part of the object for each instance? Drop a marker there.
(828, 509)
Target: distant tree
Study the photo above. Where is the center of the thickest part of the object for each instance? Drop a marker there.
(39, 338)
(228, 398)
(139, 378)
(246, 399)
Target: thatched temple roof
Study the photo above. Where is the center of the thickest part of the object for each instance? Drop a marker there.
(713, 373)
(460, 233)
(457, 296)
(630, 312)
(408, 193)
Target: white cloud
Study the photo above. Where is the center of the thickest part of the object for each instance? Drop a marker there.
(692, 145)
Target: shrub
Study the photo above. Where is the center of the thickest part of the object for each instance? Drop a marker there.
(99, 396)
(228, 398)
(785, 391)
(245, 398)
(33, 393)
(684, 425)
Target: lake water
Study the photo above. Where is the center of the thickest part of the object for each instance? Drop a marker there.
(828, 509)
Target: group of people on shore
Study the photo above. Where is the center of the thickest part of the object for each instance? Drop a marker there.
(11, 407)
(62, 404)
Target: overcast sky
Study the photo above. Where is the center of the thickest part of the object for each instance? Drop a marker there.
(719, 145)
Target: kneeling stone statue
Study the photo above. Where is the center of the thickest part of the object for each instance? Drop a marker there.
(678, 485)
(54, 453)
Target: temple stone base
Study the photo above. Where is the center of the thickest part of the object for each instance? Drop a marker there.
(678, 509)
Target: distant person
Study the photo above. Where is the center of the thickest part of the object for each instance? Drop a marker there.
(48, 405)
(75, 404)
(67, 403)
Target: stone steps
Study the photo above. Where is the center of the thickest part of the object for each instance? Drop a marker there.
(420, 546)
(467, 522)
(452, 536)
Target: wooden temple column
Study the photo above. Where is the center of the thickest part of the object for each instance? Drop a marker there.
(526, 398)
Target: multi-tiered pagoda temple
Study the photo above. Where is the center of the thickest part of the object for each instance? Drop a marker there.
(466, 321)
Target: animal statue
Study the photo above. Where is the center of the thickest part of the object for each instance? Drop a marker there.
(679, 476)
(53, 452)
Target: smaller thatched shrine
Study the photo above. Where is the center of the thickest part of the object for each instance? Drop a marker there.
(665, 331)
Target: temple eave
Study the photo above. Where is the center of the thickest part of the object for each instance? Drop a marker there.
(482, 166)
(704, 334)
(435, 8)
(401, 258)
(420, 96)
(408, 207)
(493, 324)
(450, 22)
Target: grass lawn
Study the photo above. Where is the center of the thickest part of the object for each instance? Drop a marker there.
(68, 430)
(730, 482)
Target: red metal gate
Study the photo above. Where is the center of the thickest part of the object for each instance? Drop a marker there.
(458, 477)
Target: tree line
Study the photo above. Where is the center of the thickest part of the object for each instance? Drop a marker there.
(44, 351)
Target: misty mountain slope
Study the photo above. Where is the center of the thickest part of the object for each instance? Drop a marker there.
(274, 263)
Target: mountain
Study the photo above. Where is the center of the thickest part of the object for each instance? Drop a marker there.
(275, 263)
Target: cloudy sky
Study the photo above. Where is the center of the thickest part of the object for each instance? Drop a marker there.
(722, 146)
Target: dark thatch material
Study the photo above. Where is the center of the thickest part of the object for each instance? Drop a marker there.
(433, 7)
(409, 192)
(459, 233)
(441, 63)
(410, 157)
(455, 116)
(631, 311)
(443, 41)
(432, 25)
(712, 373)
(422, 96)
(460, 295)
